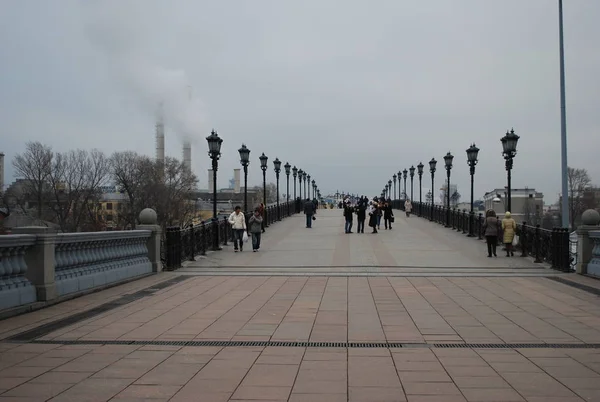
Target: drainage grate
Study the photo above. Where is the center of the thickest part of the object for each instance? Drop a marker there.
(390, 345)
(580, 286)
(45, 329)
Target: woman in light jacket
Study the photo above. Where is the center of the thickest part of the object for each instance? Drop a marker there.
(509, 227)
(237, 220)
(408, 207)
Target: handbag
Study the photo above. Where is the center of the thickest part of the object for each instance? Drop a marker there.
(245, 237)
(392, 219)
(314, 218)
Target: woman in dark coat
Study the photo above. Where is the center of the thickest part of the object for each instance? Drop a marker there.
(388, 214)
(491, 229)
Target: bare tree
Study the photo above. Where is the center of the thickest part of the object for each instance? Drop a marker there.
(34, 166)
(579, 181)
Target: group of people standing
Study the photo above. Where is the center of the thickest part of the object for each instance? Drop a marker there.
(376, 209)
(493, 228)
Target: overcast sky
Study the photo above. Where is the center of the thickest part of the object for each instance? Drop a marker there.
(350, 90)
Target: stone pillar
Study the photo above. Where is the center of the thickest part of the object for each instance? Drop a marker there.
(590, 220)
(40, 261)
(148, 221)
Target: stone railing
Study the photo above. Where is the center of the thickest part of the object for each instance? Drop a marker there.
(39, 265)
(588, 244)
(593, 267)
(15, 288)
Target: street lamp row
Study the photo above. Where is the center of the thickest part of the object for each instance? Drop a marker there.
(509, 151)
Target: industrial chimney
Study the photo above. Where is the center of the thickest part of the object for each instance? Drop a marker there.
(160, 135)
(187, 155)
(236, 181)
(1, 172)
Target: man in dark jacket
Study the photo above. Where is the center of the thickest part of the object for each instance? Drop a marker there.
(309, 211)
(361, 212)
(349, 215)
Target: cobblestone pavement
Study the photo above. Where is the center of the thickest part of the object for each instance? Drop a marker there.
(432, 338)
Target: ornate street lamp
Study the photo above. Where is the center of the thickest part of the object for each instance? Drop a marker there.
(386, 190)
(277, 165)
(314, 187)
(394, 177)
(300, 175)
(472, 153)
(308, 185)
(420, 173)
(305, 189)
(432, 164)
(263, 165)
(287, 168)
(448, 162)
(412, 177)
(295, 174)
(214, 151)
(390, 189)
(245, 161)
(404, 176)
(509, 151)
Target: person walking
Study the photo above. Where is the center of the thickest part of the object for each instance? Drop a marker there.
(361, 215)
(491, 227)
(255, 224)
(261, 208)
(388, 214)
(349, 215)
(407, 207)
(309, 211)
(379, 211)
(237, 220)
(373, 215)
(509, 227)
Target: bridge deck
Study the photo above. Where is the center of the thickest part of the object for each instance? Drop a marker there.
(443, 323)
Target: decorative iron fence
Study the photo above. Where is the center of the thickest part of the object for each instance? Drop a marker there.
(551, 246)
(184, 244)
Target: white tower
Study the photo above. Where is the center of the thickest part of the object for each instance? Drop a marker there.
(187, 146)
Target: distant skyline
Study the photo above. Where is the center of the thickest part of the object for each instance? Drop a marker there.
(350, 91)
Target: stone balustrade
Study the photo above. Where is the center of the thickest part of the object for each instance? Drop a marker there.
(15, 288)
(588, 244)
(593, 267)
(39, 265)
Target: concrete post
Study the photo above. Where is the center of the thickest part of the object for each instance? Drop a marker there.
(148, 220)
(40, 261)
(590, 220)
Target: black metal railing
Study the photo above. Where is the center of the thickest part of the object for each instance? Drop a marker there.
(184, 244)
(549, 246)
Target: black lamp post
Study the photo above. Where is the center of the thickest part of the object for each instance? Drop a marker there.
(472, 153)
(277, 165)
(432, 164)
(287, 168)
(394, 177)
(412, 177)
(245, 161)
(214, 151)
(305, 189)
(263, 165)
(300, 174)
(295, 174)
(404, 176)
(308, 185)
(420, 173)
(386, 190)
(390, 189)
(448, 162)
(314, 189)
(509, 151)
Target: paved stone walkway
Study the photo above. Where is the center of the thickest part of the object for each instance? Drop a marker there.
(529, 331)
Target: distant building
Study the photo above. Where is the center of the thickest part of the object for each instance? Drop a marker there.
(526, 203)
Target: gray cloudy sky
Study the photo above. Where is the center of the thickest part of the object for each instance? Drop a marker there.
(350, 90)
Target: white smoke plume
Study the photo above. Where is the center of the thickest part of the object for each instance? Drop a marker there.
(120, 30)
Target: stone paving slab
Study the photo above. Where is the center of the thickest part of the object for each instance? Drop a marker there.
(413, 242)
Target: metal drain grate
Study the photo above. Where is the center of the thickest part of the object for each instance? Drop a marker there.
(580, 286)
(50, 327)
(391, 345)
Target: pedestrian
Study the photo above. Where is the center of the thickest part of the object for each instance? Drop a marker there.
(237, 220)
(407, 207)
(373, 215)
(491, 227)
(309, 211)
(349, 215)
(255, 223)
(388, 214)
(361, 215)
(509, 227)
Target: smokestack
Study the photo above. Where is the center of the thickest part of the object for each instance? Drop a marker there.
(236, 181)
(1, 172)
(210, 180)
(187, 155)
(160, 135)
